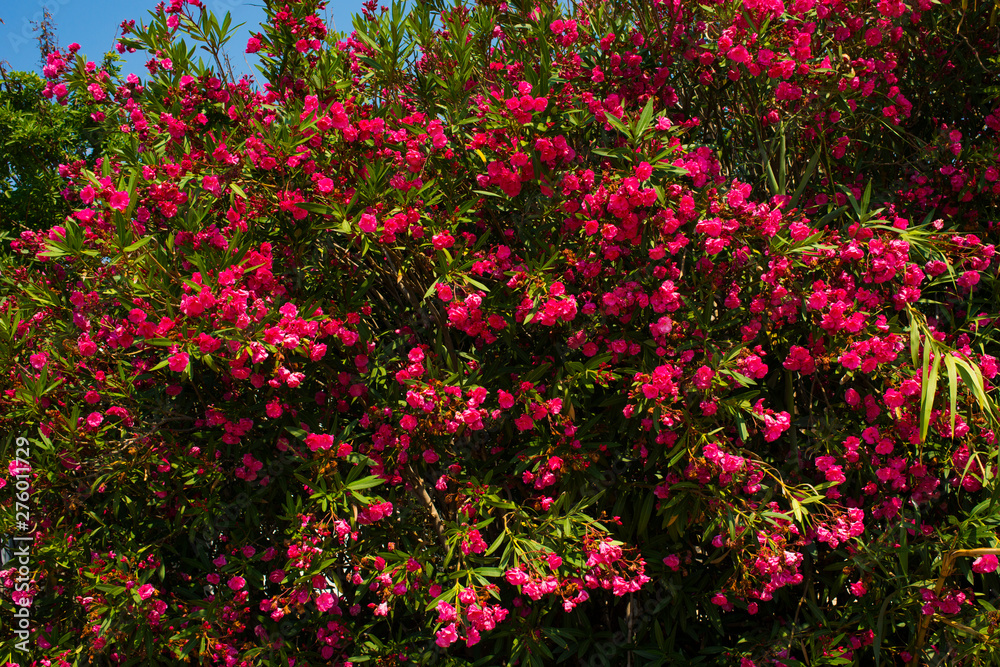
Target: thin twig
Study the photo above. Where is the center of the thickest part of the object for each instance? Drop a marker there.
(420, 491)
(946, 568)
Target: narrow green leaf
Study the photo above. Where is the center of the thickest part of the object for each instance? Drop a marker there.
(949, 362)
(617, 124)
(782, 171)
(476, 284)
(765, 160)
(914, 339)
(831, 216)
(644, 514)
(365, 483)
(496, 543)
(643, 123)
(796, 509)
(138, 244)
(806, 176)
(973, 378)
(879, 628)
(929, 389)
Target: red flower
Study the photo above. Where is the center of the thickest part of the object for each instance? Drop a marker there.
(118, 201)
(179, 362)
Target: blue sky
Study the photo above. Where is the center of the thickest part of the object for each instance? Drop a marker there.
(94, 25)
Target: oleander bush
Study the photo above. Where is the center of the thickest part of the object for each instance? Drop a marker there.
(495, 333)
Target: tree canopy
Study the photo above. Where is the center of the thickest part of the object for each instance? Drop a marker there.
(492, 333)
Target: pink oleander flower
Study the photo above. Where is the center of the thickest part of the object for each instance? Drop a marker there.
(446, 636)
(118, 201)
(446, 612)
(985, 564)
(703, 378)
(516, 577)
(319, 441)
(179, 362)
(325, 601)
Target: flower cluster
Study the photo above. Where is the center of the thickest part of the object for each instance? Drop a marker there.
(470, 332)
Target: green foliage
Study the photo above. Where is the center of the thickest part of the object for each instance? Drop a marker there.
(571, 321)
(36, 137)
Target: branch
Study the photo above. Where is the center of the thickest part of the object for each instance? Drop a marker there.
(946, 568)
(420, 491)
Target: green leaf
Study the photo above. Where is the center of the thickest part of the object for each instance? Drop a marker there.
(796, 509)
(644, 514)
(617, 124)
(496, 544)
(643, 122)
(365, 483)
(489, 571)
(928, 389)
(831, 216)
(806, 176)
(765, 160)
(138, 244)
(949, 362)
(316, 207)
(476, 284)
